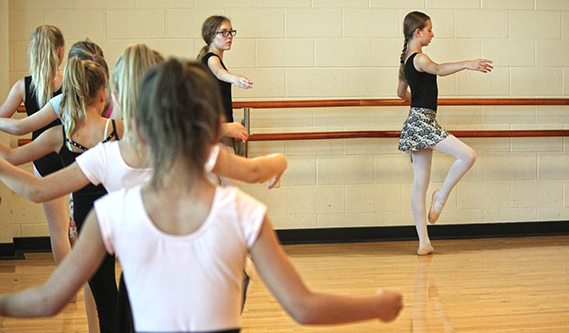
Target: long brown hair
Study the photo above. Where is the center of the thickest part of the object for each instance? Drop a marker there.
(209, 30)
(43, 52)
(180, 110)
(412, 22)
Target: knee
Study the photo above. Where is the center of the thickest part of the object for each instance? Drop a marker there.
(470, 157)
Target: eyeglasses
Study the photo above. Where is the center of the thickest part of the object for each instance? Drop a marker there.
(226, 33)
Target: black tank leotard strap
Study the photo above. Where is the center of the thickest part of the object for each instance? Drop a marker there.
(113, 134)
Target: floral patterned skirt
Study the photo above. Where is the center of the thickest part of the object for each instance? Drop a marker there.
(421, 130)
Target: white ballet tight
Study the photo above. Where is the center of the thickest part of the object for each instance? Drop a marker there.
(422, 159)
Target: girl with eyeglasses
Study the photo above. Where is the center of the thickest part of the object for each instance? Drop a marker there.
(421, 133)
(218, 34)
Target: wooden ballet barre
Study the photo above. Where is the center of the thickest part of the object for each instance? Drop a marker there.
(396, 102)
(387, 102)
(395, 134)
(388, 134)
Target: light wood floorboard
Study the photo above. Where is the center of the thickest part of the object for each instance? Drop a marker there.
(480, 285)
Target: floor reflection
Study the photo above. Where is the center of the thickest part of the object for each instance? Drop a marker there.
(429, 313)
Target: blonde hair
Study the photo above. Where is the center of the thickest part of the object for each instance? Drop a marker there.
(412, 22)
(43, 52)
(209, 30)
(180, 110)
(128, 74)
(82, 82)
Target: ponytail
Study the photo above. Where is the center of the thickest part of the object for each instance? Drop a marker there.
(203, 52)
(128, 74)
(402, 60)
(43, 52)
(82, 81)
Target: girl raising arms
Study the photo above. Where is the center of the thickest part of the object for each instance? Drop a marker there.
(182, 240)
(421, 134)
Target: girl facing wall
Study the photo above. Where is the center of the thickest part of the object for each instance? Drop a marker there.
(82, 102)
(186, 237)
(45, 52)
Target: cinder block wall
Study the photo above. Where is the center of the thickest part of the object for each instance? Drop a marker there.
(332, 49)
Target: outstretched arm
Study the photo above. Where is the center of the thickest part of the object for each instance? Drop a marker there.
(52, 186)
(307, 307)
(29, 124)
(250, 170)
(49, 298)
(423, 63)
(14, 99)
(222, 74)
(49, 141)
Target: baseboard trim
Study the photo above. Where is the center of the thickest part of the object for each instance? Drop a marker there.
(359, 234)
(7, 251)
(401, 233)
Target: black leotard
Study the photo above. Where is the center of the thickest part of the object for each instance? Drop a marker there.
(51, 162)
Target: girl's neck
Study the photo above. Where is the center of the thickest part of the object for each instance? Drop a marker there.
(95, 111)
(415, 47)
(183, 180)
(132, 152)
(216, 51)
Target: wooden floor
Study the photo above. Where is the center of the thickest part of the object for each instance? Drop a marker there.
(481, 285)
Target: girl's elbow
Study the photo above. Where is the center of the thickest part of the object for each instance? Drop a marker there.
(303, 317)
(16, 128)
(49, 307)
(36, 195)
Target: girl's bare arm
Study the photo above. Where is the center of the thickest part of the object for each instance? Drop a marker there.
(222, 74)
(49, 141)
(76, 269)
(29, 124)
(423, 63)
(52, 186)
(250, 170)
(311, 308)
(14, 99)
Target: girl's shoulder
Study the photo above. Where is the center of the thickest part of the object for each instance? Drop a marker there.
(209, 55)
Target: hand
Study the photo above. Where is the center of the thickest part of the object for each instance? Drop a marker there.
(480, 65)
(243, 82)
(390, 305)
(235, 130)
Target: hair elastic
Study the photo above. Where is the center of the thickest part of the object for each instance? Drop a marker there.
(93, 57)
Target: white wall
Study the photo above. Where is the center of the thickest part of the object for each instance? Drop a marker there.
(318, 49)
